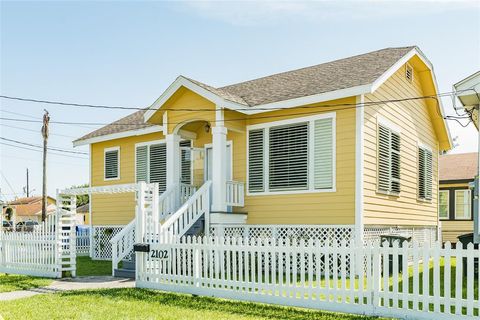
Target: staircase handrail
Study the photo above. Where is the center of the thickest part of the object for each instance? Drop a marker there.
(174, 218)
(127, 236)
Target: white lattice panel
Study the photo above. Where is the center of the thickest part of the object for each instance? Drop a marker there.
(294, 235)
(102, 248)
(418, 234)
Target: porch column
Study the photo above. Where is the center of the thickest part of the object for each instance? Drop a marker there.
(173, 159)
(219, 171)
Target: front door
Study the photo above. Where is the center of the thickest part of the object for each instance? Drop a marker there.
(209, 164)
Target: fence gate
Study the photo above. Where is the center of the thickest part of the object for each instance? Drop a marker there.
(45, 250)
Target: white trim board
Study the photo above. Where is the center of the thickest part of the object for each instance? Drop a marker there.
(119, 135)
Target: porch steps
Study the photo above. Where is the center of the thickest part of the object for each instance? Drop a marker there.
(127, 270)
(197, 228)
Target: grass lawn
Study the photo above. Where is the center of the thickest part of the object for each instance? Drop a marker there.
(149, 304)
(13, 282)
(85, 267)
(89, 267)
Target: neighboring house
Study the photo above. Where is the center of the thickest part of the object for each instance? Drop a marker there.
(455, 211)
(341, 150)
(83, 213)
(27, 209)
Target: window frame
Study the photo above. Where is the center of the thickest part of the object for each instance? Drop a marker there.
(397, 130)
(427, 148)
(310, 156)
(448, 205)
(147, 144)
(469, 218)
(105, 150)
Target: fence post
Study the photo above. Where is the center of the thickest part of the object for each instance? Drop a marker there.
(139, 231)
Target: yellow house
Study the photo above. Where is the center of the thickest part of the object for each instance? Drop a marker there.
(346, 149)
(455, 207)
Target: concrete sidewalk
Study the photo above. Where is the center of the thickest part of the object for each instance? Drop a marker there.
(79, 283)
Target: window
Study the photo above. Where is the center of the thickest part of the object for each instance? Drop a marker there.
(292, 156)
(463, 205)
(185, 162)
(408, 73)
(425, 173)
(388, 160)
(151, 164)
(443, 204)
(112, 163)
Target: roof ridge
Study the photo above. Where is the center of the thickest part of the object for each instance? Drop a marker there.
(315, 65)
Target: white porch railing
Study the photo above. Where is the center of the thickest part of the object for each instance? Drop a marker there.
(173, 198)
(235, 193)
(196, 206)
(122, 244)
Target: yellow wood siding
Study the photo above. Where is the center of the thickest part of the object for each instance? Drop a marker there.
(306, 208)
(413, 119)
(451, 229)
(116, 209)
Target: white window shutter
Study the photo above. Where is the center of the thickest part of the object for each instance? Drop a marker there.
(256, 161)
(425, 174)
(158, 165)
(142, 163)
(395, 162)
(323, 154)
(111, 164)
(288, 157)
(383, 159)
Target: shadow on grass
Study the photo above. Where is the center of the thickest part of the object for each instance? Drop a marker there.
(196, 303)
(12, 282)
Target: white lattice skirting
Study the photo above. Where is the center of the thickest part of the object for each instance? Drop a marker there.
(322, 233)
(102, 248)
(418, 234)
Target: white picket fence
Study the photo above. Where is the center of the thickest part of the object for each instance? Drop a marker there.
(352, 279)
(83, 242)
(31, 252)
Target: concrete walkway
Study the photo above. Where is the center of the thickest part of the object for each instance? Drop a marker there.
(79, 283)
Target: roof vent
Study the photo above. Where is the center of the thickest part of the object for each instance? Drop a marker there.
(409, 72)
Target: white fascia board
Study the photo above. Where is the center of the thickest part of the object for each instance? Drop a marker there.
(399, 64)
(124, 134)
(317, 98)
(183, 82)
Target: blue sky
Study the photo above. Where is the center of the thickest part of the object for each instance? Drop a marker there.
(126, 53)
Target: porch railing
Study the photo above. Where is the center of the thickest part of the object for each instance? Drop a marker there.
(235, 193)
(173, 198)
(122, 244)
(184, 218)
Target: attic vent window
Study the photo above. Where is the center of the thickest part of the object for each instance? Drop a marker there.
(409, 73)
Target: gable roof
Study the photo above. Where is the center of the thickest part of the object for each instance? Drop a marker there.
(27, 200)
(337, 79)
(461, 166)
(30, 206)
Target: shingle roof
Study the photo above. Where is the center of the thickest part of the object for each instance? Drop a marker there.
(340, 74)
(461, 166)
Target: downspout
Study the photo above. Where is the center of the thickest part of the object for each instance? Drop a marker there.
(359, 168)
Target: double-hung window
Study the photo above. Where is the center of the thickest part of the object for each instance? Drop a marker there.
(444, 204)
(294, 155)
(151, 164)
(388, 160)
(425, 173)
(112, 163)
(463, 201)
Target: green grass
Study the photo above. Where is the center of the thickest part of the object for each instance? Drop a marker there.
(13, 282)
(150, 304)
(89, 267)
(85, 267)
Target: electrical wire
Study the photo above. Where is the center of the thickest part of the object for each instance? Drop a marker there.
(38, 131)
(53, 153)
(39, 146)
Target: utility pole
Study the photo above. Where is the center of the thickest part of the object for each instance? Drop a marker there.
(46, 119)
(28, 187)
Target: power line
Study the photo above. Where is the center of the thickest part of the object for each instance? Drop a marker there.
(8, 183)
(38, 146)
(62, 103)
(30, 149)
(37, 131)
(39, 160)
